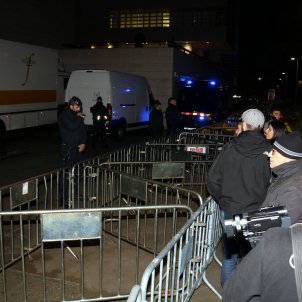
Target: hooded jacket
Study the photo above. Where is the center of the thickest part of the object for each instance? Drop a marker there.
(239, 177)
(72, 128)
(265, 274)
(286, 189)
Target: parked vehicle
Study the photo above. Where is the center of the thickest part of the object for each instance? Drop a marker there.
(128, 97)
(201, 103)
(28, 85)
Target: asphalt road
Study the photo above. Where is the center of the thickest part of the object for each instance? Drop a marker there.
(34, 151)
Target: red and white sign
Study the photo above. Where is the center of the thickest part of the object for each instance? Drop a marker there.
(196, 149)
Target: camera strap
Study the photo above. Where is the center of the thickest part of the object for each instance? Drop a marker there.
(296, 233)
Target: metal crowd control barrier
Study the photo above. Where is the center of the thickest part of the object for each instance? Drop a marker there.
(218, 129)
(189, 174)
(91, 186)
(166, 152)
(81, 255)
(103, 187)
(203, 138)
(178, 270)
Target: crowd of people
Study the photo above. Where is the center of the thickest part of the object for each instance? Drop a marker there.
(260, 167)
(172, 116)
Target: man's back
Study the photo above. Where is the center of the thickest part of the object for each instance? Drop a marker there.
(99, 109)
(239, 178)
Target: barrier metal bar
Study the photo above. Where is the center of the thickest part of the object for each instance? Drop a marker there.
(82, 255)
(203, 138)
(191, 175)
(108, 188)
(180, 267)
(217, 129)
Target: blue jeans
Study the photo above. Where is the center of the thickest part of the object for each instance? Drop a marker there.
(230, 253)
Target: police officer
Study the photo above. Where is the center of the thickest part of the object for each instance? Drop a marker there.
(72, 132)
(99, 117)
(73, 142)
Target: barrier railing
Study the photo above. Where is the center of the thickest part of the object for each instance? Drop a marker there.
(190, 174)
(81, 255)
(176, 272)
(103, 187)
(204, 138)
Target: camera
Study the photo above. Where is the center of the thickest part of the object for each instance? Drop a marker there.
(252, 225)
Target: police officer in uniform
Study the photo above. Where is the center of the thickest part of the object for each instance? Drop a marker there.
(73, 142)
(99, 117)
(72, 132)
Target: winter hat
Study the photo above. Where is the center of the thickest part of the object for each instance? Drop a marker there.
(290, 145)
(75, 101)
(253, 117)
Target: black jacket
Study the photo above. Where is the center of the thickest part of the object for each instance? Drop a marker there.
(173, 118)
(98, 109)
(239, 177)
(156, 123)
(265, 274)
(72, 128)
(286, 189)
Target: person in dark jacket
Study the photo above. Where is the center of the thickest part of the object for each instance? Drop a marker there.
(267, 273)
(73, 142)
(286, 165)
(99, 117)
(239, 178)
(72, 132)
(173, 117)
(156, 121)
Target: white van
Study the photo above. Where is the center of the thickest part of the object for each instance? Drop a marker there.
(128, 97)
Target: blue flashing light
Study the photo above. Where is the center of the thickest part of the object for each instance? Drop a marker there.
(201, 118)
(127, 90)
(189, 82)
(212, 83)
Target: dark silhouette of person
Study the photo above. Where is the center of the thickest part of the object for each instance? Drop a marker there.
(99, 117)
(156, 121)
(173, 117)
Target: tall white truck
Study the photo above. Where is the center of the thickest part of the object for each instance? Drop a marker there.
(128, 97)
(28, 84)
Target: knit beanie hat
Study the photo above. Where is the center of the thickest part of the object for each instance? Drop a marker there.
(290, 145)
(253, 117)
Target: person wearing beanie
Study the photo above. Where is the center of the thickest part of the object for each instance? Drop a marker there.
(286, 164)
(73, 140)
(238, 180)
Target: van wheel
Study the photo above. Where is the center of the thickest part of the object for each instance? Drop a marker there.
(120, 133)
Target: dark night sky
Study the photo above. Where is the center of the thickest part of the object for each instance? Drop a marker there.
(270, 33)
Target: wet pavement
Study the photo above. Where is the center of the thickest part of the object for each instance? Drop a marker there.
(34, 151)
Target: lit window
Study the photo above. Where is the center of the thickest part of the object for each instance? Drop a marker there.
(139, 19)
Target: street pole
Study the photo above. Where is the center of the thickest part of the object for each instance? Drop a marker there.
(285, 85)
(297, 79)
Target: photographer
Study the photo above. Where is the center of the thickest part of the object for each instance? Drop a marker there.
(267, 273)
